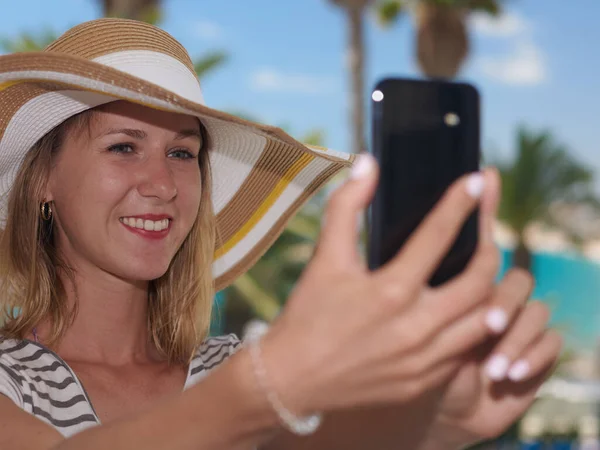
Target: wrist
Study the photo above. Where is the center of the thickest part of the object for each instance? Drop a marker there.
(434, 443)
(289, 374)
(444, 436)
(255, 421)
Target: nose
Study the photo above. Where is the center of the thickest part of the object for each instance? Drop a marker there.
(157, 179)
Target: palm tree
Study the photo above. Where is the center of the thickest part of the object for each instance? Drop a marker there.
(146, 10)
(442, 37)
(355, 10)
(543, 174)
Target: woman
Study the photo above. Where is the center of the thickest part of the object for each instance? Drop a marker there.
(127, 201)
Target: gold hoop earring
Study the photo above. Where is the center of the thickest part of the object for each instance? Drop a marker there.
(46, 211)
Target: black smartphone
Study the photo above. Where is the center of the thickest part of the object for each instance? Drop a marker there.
(425, 135)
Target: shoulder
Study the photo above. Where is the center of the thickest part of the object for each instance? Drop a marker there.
(10, 377)
(21, 363)
(29, 370)
(212, 352)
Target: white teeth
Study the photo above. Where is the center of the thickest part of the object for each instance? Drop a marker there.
(148, 225)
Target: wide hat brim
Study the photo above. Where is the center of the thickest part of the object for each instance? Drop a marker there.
(261, 175)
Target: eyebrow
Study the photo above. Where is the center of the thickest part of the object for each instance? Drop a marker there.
(189, 132)
(140, 134)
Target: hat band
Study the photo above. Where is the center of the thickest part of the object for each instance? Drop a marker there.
(157, 68)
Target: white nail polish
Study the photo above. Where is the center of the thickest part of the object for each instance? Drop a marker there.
(362, 166)
(475, 185)
(496, 320)
(497, 367)
(519, 370)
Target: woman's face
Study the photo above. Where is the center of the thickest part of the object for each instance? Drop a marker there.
(127, 193)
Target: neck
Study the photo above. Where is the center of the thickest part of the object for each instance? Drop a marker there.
(111, 322)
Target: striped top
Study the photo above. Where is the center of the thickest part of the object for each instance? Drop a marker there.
(42, 383)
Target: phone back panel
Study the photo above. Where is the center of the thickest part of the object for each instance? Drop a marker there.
(425, 135)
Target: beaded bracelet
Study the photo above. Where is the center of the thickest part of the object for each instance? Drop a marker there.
(298, 425)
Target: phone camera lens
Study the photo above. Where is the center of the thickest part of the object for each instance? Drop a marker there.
(451, 119)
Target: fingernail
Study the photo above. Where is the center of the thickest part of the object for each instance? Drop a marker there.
(519, 370)
(496, 320)
(475, 184)
(363, 165)
(497, 367)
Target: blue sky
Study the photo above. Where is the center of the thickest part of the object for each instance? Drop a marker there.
(537, 66)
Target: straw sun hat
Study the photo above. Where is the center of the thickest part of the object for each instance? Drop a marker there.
(261, 176)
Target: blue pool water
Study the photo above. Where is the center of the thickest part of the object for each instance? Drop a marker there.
(570, 284)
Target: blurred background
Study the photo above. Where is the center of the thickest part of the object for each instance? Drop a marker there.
(309, 67)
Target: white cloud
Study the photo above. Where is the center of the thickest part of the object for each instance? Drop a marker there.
(269, 79)
(207, 30)
(507, 25)
(525, 66)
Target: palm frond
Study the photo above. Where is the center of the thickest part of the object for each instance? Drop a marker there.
(491, 7)
(28, 42)
(265, 305)
(152, 15)
(388, 12)
(314, 137)
(543, 173)
(209, 62)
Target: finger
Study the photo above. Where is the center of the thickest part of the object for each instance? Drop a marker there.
(476, 282)
(426, 247)
(468, 290)
(509, 296)
(489, 204)
(537, 357)
(427, 380)
(453, 339)
(339, 235)
(527, 328)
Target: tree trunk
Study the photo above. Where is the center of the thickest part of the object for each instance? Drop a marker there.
(129, 9)
(356, 63)
(522, 256)
(442, 40)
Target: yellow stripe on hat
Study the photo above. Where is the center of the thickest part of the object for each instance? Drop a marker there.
(291, 173)
(8, 84)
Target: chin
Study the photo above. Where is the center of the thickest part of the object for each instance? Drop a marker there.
(144, 271)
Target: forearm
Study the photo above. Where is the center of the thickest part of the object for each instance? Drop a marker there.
(408, 426)
(223, 411)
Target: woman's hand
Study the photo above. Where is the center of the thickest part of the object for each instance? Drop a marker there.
(351, 337)
(497, 384)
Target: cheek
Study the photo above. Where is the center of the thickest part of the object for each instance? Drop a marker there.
(89, 194)
(189, 188)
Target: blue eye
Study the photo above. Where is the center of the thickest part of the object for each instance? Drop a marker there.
(182, 154)
(121, 148)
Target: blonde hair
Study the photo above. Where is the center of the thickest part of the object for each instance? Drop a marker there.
(179, 302)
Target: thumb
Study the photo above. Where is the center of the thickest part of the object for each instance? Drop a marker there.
(339, 235)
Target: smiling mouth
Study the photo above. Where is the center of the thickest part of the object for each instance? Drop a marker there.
(146, 224)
